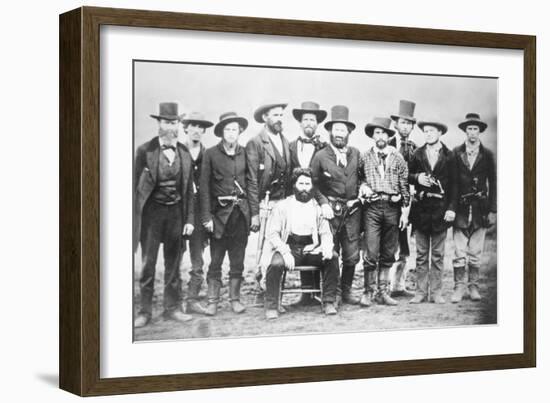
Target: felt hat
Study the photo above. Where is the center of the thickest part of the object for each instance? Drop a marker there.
(382, 123)
(339, 114)
(264, 108)
(439, 125)
(406, 111)
(168, 111)
(473, 119)
(229, 117)
(196, 118)
(309, 107)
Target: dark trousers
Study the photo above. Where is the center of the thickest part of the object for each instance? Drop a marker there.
(161, 224)
(404, 250)
(429, 270)
(275, 270)
(381, 223)
(233, 242)
(197, 243)
(347, 246)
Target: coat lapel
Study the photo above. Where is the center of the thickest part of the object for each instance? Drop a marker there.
(479, 157)
(267, 144)
(425, 161)
(350, 164)
(152, 157)
(286, 148)
(185, 166)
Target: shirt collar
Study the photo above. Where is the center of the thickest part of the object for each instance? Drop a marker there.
(435, 148)
(473, 148)
(339, 150)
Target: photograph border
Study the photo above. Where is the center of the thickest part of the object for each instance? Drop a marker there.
(79, 218)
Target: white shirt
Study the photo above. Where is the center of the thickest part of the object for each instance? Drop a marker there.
(305, 153)
(341, 155)
(277, 141)
(432, 152)
(302, 217)
(168, 153)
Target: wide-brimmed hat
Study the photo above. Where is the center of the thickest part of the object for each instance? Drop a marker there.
(406, 111)
(168, 111)
(339, 114)
(264, 108)
(196, 118)
(439, 125)
(309, 107)
(382, 123)
(473, 119)
(229, 117)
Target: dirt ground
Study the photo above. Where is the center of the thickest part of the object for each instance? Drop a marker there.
(310, 319)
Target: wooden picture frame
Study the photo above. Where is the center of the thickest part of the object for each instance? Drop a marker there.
(79, 346)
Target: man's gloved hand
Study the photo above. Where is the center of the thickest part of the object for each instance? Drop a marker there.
(188, 229)
(209, 226)
(449, 216)
(423, 180)
(289, 260)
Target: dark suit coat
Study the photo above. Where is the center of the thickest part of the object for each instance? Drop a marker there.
(218, 173)
(260, 159)
(196, 165)
(332, 180)
(145, 181)
(484, 170)
(427, 215)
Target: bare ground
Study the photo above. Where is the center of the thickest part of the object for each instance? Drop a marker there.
(310, 319)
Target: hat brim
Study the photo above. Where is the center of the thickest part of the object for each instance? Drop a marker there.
(165, 117)
(351, 125)
(396, 118)
(482, 125)
(262, 109)
(369, 129)
(440, 126)
(204, 123)
(218, 129)
(298, 113)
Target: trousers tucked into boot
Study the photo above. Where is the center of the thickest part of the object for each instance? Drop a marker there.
(473, 287)
(235, 295)
(214, 287)
(460, 284)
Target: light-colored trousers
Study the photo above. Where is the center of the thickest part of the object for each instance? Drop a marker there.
(468, 246)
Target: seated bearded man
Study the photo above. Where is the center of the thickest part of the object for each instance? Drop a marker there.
(297, 234)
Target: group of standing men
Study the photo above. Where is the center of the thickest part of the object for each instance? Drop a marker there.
(326, 202)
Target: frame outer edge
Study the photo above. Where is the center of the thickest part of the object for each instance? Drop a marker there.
(70, 279)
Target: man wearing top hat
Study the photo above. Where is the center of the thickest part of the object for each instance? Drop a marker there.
(268, 160)
(432, 171)
(336, 169)
(225, 211)
(163, 212)
(194, 124)
(404, 122)
(386, 190)
(477, 206)
(302, 150)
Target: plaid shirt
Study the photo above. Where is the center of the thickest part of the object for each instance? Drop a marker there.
(395, 180)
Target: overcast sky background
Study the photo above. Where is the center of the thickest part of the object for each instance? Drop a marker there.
(214, 90)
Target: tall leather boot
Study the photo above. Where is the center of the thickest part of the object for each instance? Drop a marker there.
(193, 303)
(214, 287)
(348, 273)
(383, 288)
(473, 287)
(235, 295)
(460, 284)
(370, 288)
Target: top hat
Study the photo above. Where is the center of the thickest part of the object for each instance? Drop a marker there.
(168, 111)
(263, 109)
(198, 119)
(309, 107)
(439, 125)
(339, 114)
(473, 119)
(229, 117)
(406, 111)
(382, 123)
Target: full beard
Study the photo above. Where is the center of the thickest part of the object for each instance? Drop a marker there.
(381, 144)
(276, 127)
(303, 196)
(169, 136)
(338, 142)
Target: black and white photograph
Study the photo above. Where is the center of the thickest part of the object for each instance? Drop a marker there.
(278, 201)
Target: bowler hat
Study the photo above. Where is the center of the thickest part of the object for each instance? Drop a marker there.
(473, 119)
(434, 123)
(198, 119)
(168, 111)
(339, 114)
(406, 111)
(264, 108)
(229, 117)
(309, 107)
(381, 123)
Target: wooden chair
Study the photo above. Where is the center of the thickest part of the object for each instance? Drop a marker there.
(317, 292)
